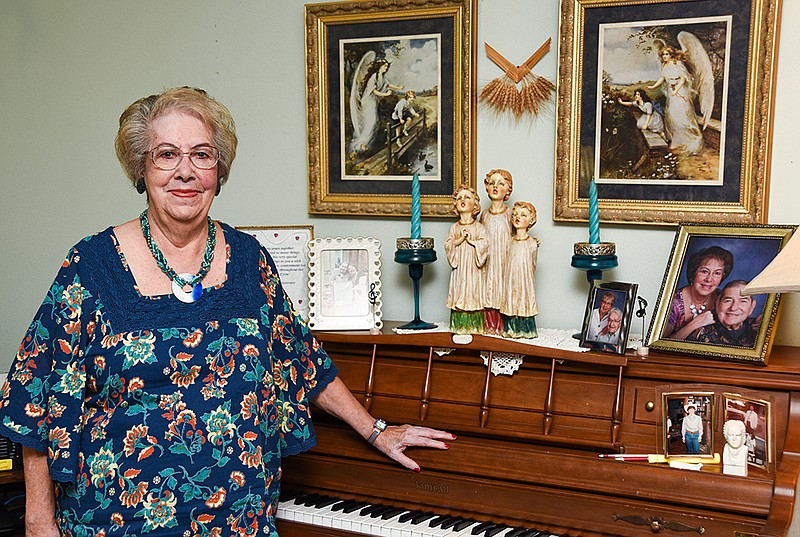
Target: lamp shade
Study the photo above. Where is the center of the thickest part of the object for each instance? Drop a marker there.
(782, 275)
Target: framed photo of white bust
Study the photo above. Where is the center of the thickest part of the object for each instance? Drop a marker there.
(344, 283)
(756, 416)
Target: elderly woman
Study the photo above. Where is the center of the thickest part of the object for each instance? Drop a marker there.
(166, 375)
(693, 305)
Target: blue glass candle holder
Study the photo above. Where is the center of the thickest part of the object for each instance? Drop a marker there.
(415, 253)
(594, 259)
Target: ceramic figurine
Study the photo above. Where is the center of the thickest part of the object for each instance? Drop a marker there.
(467, 250)
(519, 293)
(734, 454)
(497, 221)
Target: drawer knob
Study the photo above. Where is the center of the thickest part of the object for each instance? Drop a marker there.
(649, 406)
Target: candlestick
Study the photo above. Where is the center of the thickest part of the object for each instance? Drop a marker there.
(416, 221)
(594, 215)
(415, 253)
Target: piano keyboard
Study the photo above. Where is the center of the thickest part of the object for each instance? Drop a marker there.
(389, 521)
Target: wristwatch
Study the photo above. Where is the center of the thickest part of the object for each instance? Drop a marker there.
(377, 428)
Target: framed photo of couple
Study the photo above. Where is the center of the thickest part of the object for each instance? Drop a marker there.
(703, 307)
(667, 105)
(607, 321)
(389, 94)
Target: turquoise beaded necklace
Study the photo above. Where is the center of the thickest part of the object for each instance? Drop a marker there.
(180, 281)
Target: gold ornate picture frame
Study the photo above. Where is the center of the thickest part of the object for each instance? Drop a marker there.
(367, 136)
(681, 137)
(700, 308)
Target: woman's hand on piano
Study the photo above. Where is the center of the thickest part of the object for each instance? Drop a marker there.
(337, 400)
(395, 439)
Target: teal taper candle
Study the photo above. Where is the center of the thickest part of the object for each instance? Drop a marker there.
(416, 218)
(594, 215)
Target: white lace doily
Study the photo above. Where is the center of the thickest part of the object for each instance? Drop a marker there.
(508, 363)
(503, 363)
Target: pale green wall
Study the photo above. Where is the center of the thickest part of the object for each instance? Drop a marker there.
(67, 70)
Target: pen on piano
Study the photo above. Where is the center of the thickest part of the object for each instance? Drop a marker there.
(657, 458)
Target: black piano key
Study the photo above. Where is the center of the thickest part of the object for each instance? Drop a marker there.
(287, 495)
(452, 522)
(491, 532)
(329, 501)
(338, 506)
(517, 532)
(392, 513)
(534, 533)
(463, 524)
(405, 517)
(422, 517)
(378, 513)
(480, 528)
(370, 508)
(307, 500)
(354, 507)
(437, 521)
(321, 501)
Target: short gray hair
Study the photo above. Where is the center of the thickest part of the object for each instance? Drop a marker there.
(133, 137)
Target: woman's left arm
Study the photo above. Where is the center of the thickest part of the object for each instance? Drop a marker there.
(337, 400)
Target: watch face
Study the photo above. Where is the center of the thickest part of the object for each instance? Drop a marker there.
(380, 424)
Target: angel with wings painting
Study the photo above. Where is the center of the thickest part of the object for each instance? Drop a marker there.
(368, 86)
(687, 81)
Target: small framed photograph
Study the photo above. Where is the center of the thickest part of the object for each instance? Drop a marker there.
(288, 247)
(701, 307)
(344, 283)
(755, 414)
(688, 424)
(607, 321)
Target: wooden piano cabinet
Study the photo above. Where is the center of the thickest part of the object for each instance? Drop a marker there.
(528, 444)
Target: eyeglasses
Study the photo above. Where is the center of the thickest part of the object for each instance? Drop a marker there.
(169, 157)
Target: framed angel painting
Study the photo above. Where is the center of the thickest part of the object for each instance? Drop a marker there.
(390, 95)
(667, 106)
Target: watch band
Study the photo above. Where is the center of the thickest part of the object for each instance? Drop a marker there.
(377, 428)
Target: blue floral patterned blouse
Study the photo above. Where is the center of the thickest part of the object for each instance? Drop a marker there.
(159, 417)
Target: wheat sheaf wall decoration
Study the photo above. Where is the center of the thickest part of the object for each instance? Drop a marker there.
(503, 94)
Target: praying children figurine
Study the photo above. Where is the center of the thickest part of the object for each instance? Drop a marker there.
(497, 221)
(519, 294)
(734, 454)
(467, 249)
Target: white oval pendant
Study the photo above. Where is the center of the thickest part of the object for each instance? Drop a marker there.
(187, 296)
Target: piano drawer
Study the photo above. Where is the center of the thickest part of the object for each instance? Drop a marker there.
(647, 406)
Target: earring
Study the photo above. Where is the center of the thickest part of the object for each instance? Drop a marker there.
(140, 186)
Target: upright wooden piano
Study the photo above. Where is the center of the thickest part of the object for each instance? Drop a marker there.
(527, 450)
